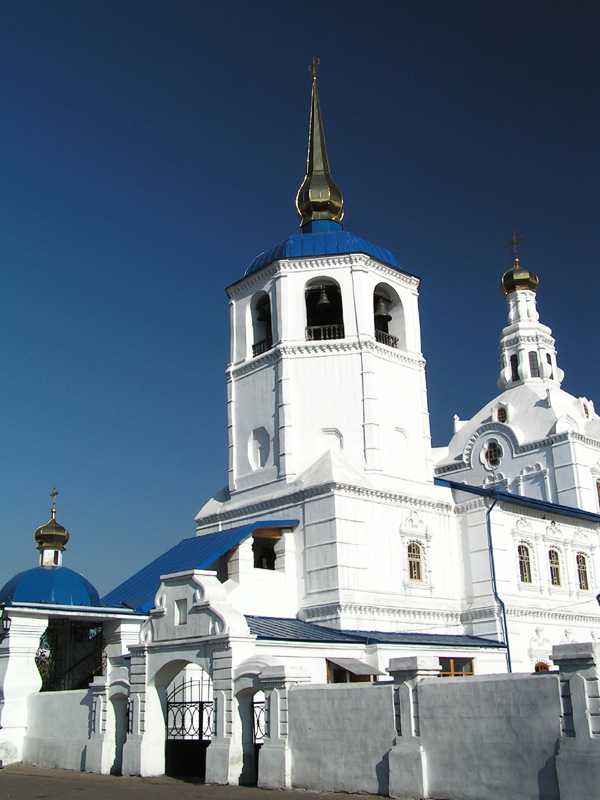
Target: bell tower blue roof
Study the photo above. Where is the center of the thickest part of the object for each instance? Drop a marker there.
(334, 241)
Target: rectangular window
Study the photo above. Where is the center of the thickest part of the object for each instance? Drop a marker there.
(514, 368)
(524, 564)
(181, 612)
(534, 366)
(414, 562)
(582, 572)
(554, 567)
(456, 667)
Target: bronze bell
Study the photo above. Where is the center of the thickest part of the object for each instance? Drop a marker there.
(381, 310)
(263, 313)
(323, 302)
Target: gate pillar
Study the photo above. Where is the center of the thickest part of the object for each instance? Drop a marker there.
(274, 770)
(19, 677)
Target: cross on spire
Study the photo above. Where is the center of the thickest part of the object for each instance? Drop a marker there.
(513, 243)
(53, 494)
(312, 67)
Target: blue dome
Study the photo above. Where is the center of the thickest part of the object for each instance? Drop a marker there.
(50, 585)
(321, 243)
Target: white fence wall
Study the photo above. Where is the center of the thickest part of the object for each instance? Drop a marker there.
(492, 737)
(58, 729)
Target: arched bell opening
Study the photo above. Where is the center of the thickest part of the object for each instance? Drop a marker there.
(388, 317)
(262, 332)
(324, 312)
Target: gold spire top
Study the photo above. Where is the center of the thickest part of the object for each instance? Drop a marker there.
(318, 198)
(518, 277)
(52, 535)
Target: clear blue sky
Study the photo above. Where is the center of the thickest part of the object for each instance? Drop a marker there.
(151, 149)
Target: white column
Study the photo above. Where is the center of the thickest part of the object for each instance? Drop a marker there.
(19, 677)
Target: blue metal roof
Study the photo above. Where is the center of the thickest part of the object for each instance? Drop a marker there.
(198, 552)
(293, 630)
(321, 243)
(528, 502)
(50, 585)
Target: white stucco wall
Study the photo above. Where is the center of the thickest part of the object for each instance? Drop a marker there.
(482, 737)
(59, 726)
(340, 736)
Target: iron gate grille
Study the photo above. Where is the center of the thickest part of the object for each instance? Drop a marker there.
(189, 717)
(260, 721)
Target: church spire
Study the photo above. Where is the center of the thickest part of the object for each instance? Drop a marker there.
(318, 198)
(527, 349)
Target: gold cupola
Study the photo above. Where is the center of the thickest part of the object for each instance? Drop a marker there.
(319, 197)
(518, 277)
(52, 536)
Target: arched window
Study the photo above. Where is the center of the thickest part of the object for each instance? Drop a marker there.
(502, 415)
(524, 563)
(582, 574)
(541, 666)
(261, 324)
(554, 567)
(324, 313)
(534, 366)
(415, 565)
(388, 317)
(493, 453)
(514, 368)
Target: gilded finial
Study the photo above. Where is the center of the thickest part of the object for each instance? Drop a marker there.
(518, 277)
(52, 535)
(319, 197)
(53, 495)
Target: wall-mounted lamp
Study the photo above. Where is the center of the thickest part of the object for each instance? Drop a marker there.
(4, 626)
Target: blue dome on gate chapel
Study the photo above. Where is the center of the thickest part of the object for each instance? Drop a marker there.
(50, 585)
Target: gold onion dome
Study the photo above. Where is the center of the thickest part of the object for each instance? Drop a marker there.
(52, 535)
(519, 278)
(319, 197)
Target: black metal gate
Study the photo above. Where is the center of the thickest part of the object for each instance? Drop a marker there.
(69, 655)
(189, 729)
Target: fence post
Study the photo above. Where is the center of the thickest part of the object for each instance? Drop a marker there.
(407, 762)
(578, 758)
(274, 762)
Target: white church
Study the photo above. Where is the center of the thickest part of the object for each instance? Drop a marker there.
(344, 549)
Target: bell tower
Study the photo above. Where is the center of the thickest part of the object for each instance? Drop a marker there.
(326, 362)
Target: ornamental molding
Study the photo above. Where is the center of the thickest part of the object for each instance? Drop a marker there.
(553, 616)
(329, 347)
(534, 338)
(241, 287)
(420, 616)
(306, 264)
(519, 449)
(295, 498)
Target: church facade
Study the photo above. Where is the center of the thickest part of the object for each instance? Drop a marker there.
(343, 541)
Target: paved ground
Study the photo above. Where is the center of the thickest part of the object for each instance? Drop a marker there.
(20, 782)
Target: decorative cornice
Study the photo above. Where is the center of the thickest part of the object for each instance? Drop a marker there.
(290, 265)
(296, 497)
(421, 616)
(519, 449)
(522, 338)
(329, 347)
(553, 616)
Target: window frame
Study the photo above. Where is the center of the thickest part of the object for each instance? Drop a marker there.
(524, 559)
(415, 561)
(554, 565)
(583, 575)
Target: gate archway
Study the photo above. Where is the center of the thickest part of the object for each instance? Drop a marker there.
(189, 723)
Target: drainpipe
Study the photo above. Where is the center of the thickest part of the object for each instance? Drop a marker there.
(494, 585)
